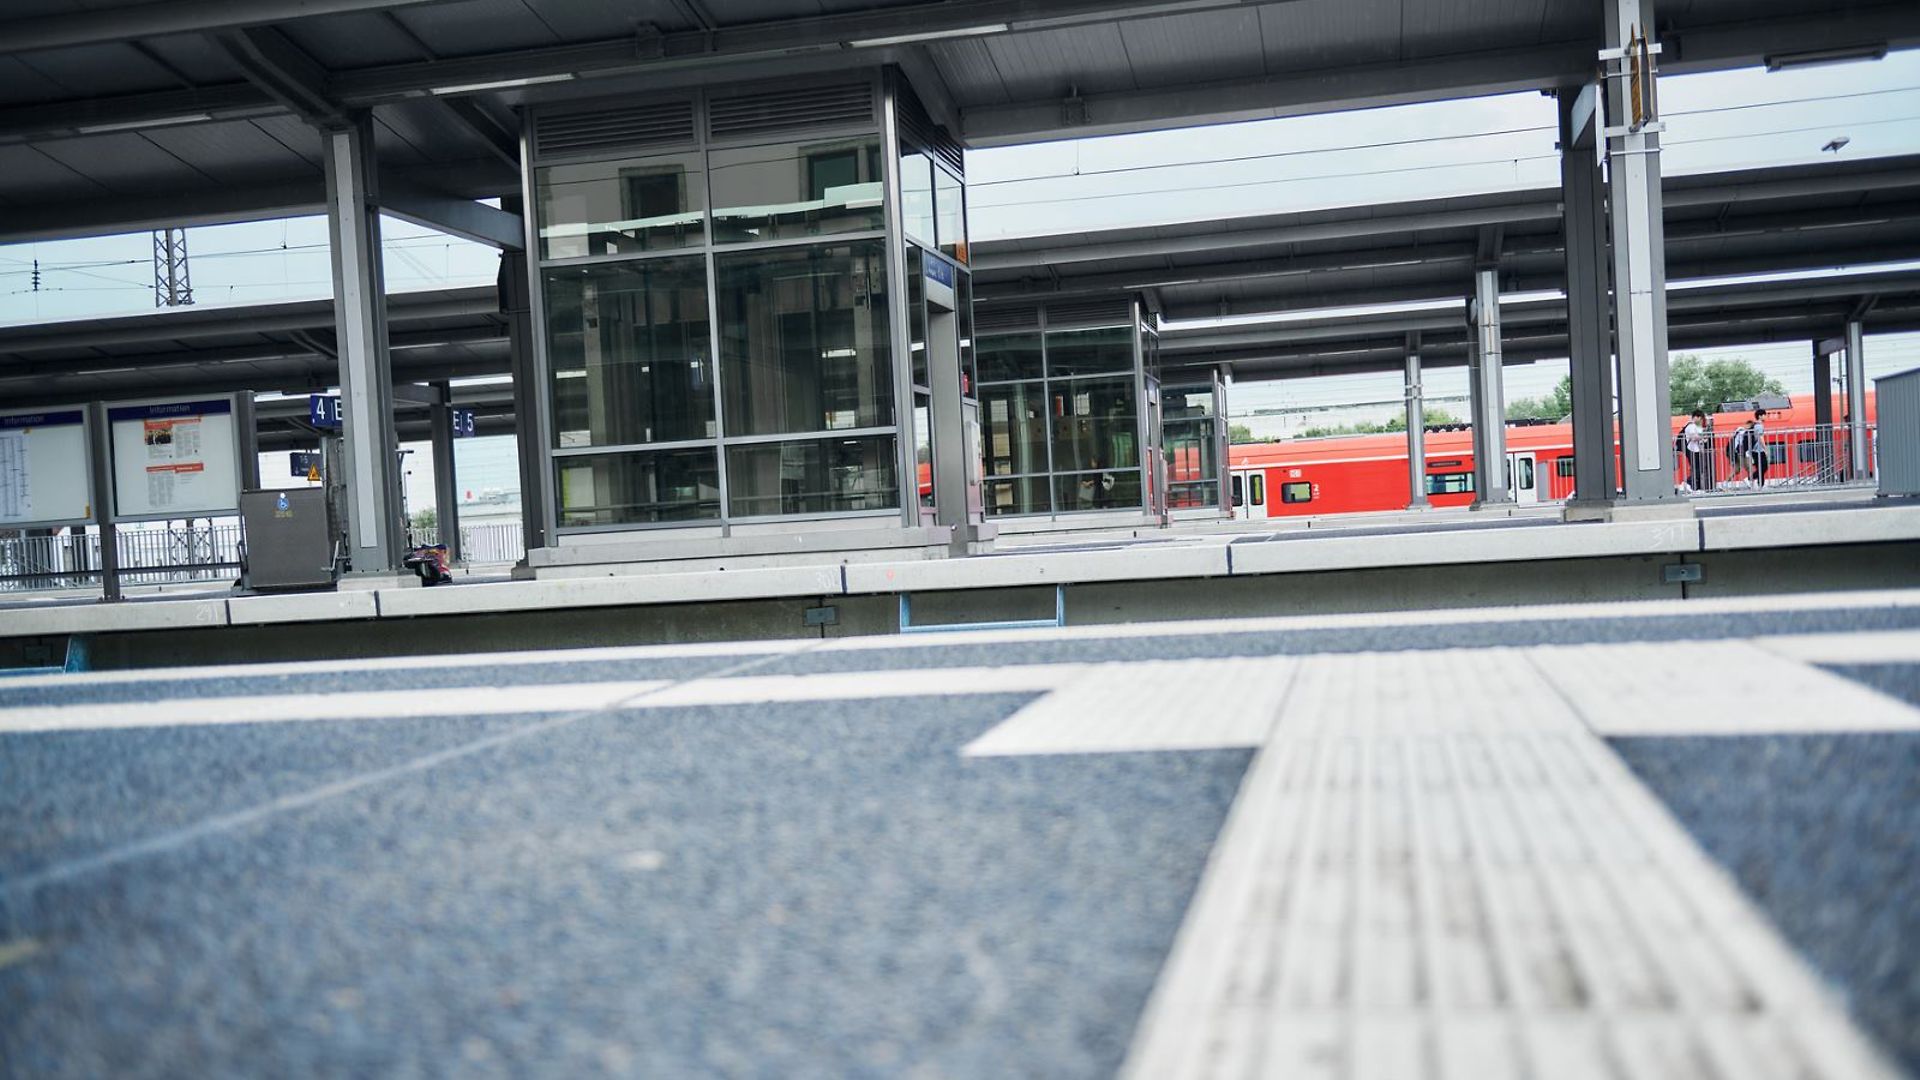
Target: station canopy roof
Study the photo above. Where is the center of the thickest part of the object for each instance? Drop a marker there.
(121, 115)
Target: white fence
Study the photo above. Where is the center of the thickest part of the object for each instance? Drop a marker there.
(180, 553)
(1730, 462)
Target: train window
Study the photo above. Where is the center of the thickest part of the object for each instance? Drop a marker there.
(1453, 483)
(1239, 495)
(1257, 489)
(1526, 473)
(1563, 467)
(1298, 491)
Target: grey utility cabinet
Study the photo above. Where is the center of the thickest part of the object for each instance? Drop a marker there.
(1897, 403)
(289, 534)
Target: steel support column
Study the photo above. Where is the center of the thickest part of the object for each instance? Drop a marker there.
(374, 537)
(1639, 251)
(1590, 348)
(1416, 429)
(1486, 393)
(1823, 410)
(100, 474)
(446, 486)
(1857, 439)
(529, 415)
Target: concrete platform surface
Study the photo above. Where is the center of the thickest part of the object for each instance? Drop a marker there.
(1633, 840)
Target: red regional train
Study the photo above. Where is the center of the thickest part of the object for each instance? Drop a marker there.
(1352, 473)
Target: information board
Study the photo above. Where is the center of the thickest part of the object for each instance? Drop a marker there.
(43, 468)
(174, 459)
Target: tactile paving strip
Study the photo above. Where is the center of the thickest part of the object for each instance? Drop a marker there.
(1435, 871)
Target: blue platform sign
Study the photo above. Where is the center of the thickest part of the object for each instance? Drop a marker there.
(462, 423)
(323, 410)
(303, 462)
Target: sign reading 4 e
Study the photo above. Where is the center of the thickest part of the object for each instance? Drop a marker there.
(323, 410)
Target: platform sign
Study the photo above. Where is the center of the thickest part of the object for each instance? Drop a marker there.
(44, 468)
(307, 463)
(463, 423)
(323, 410)
(175, 459)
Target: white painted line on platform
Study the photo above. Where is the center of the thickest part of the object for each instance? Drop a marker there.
(1713, 688)
(277, 708)
(1433, 869)
(1877, 647)
(1148, 705)
(861, 685)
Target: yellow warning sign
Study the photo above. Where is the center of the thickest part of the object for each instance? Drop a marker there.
(313, 472)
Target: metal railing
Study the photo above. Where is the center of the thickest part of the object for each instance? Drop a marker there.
(1792, 458)
(180, 553)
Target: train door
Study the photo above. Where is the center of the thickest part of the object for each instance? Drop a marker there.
(1522, 478)
(1250, 493)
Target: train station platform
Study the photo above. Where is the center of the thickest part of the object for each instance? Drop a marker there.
(1434, 559)
(1653, 839)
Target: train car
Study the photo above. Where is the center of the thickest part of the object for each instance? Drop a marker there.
(1358, 473)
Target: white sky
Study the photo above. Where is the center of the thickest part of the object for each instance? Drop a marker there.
(1725, 120)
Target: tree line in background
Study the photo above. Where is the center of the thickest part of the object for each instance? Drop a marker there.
(1691, 383)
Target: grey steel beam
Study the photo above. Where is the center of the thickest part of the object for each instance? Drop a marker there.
(374, 539)
(1486, 390)
(446, 489)
(1588, 287)
(501, 134)
(452, 215)
(214, 322)
(1380, 222)
(1632, 139)
(1857, 439)
(127, 22)
(1416, 429)
(287, 75)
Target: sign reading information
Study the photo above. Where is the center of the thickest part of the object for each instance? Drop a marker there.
(175, 459)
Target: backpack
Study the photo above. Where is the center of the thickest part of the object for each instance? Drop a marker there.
(1680, 441)
(1737, 445)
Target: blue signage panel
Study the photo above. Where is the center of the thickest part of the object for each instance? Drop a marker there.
(40, 419)
(939, 270)
(216, 407)
(302, 462)
(462, 423)
(323, 410)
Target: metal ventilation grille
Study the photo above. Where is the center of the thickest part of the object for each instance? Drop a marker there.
(1002, 318)
(1091, 313)
(770, 112)
(660, 123)
(918, 128)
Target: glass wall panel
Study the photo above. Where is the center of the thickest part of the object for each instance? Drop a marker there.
(628, 346)
(950, 212)
(621, 207)
(1093, 424)
(916, 196)
(1013, 424)
(917, 314)
(1027, 495)
(969, 360)
(784, 191)
(923, 448)
(1096, 491)
(803, 339)
(641, 488)
(1087, 352)
(813, 476)
(1007, 357)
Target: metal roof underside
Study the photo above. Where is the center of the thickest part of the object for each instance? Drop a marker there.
(1783, 219)
(125, 115)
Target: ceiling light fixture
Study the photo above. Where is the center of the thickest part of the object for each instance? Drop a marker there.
(928, 35)
(501, 84)
(152, 121)
(1819, 57)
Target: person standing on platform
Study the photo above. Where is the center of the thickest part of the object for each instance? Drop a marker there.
(1693, 441)
(1757, 446)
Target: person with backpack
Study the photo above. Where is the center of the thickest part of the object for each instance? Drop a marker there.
(1758, 447)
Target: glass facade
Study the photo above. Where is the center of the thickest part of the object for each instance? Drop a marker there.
(628, 347)
(1060, 415)
(804, 342)
(785, 191)
(717, 320)
(1191, 435)
(624, 207)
